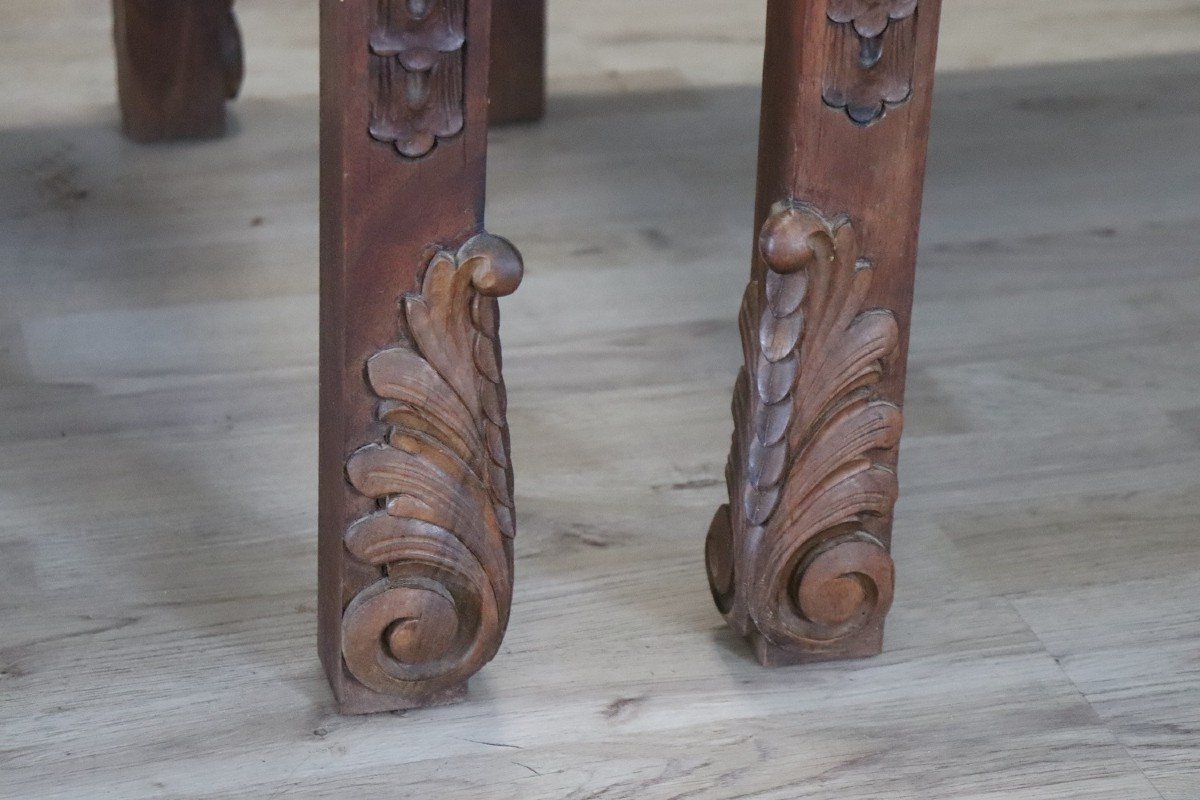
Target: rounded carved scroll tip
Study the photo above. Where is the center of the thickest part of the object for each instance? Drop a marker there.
(430, 623)
(718, 557)
(792, 238)
(845, 584)
(497, 269)
(415, 146)
(426, 630)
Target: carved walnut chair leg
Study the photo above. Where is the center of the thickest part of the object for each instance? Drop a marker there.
(178, 61)
(416, 510)
(798, 561)
(518, 80)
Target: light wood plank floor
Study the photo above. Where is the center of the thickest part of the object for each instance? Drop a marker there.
(158, 416)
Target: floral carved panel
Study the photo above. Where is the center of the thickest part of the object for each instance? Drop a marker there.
(416, 63)
(871, 46)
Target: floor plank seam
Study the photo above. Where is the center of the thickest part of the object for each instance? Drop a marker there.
(1116, 737)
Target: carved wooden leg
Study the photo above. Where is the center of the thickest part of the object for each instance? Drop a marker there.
(518, 82)
(416, 511)
(178, 61)
(798, 560)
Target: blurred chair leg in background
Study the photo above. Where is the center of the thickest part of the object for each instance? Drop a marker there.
(178, 62)
(517, 86)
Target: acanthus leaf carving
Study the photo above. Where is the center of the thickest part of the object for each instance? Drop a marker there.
(441, 536)
(416, 61)
(870, 51)
(807, 466)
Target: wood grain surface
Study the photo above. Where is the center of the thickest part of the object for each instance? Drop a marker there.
(178, 61)
(798, 559)
(158, 324)
(413, 600)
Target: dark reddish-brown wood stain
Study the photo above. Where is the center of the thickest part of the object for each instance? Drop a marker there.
(386, 220)
(416, 509)
(840, 175)
(518, 81)
(178, 61)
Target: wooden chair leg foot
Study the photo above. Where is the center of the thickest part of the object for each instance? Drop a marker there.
(178, 61)
(371, 704)
(799, 561)
(772, 656)
(416, 511)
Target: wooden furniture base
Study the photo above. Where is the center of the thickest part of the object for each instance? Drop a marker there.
(416, 509)
(798, 560)
(416, 488)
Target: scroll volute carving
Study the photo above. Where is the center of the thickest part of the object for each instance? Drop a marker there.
(441, 537)
(791, 561)
(417, 50)
(871, 51)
